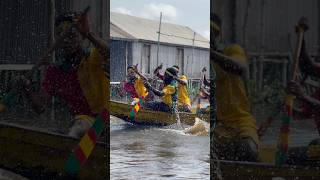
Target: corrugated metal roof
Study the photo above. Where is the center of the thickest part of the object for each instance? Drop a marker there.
(126, 26)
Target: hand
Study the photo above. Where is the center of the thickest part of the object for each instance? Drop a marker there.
(204, 69)
(82, 24)
(135, 68)
(147, 84)
(295, 89)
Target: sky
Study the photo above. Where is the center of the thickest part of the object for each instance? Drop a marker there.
(192, 13)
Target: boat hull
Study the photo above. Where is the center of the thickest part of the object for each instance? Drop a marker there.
(151, 118)
(36, 154)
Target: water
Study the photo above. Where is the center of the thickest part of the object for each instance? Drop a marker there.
(7, 175)
(156, 153)
(179, 125)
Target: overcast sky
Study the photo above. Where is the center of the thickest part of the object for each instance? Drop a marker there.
(192, 13)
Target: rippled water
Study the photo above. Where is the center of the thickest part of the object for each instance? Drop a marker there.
(156, 153)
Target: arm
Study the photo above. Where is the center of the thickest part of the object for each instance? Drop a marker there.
(99, 44)
(205, 92)
(157, 73)
(38, 100)
(206, 82)
(183, 82)
(82, 25)
(230, 64)
(295, 89)
(307, 65)
(154, 90)
(139, 74)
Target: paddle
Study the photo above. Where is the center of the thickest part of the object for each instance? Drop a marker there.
(82, 151)
(282, 147)
(201, 85)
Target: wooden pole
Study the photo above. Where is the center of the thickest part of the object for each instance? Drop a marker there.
(52, 20)
(159, 33)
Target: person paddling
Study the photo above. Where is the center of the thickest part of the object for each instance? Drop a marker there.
(135, 84)
(184, 102)
(169, 94)
(78, 77)
(236, 130)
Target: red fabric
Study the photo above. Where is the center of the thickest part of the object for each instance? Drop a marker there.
(66, 86)
(317, 69)
(307, 110)
(308, 113)
(129, 88)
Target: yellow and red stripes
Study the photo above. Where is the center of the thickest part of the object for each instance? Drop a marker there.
(282, 149)
(83, 150)
(136, 108)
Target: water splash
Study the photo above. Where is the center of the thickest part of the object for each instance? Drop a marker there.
(179, 125)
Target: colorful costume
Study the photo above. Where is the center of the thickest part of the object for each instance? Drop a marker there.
(233, 109)
(85, 90)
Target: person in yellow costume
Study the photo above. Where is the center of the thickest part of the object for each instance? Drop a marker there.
(135, 84)
(168, 95)
(184, 103)
(79, 78)
(236, 130)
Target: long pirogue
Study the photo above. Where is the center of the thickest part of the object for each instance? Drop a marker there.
(37, 154)
(153, 118)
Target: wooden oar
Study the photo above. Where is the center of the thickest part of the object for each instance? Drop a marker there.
(282, 148)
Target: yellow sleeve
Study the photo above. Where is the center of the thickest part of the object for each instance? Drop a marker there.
(94, 82)
(184, 78)
(140, 88)
(169, 90)
(237, 52)
(94, 57)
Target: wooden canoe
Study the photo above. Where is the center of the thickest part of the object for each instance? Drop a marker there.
(296, 168)
(37, 154)
(152, 118)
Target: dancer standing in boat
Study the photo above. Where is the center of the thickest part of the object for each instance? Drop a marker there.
(236, 130)
(184, 103)
(78, 78)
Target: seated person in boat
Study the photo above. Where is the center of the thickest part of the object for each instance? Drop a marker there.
(78, 77)
(310, 103)
(236, 131)
(168, 94)
(135, 84)
(184, 103)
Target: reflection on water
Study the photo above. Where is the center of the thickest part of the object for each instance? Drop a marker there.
(156, 153)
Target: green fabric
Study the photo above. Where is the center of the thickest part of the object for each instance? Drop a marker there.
(10, 99)
(72, 165)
